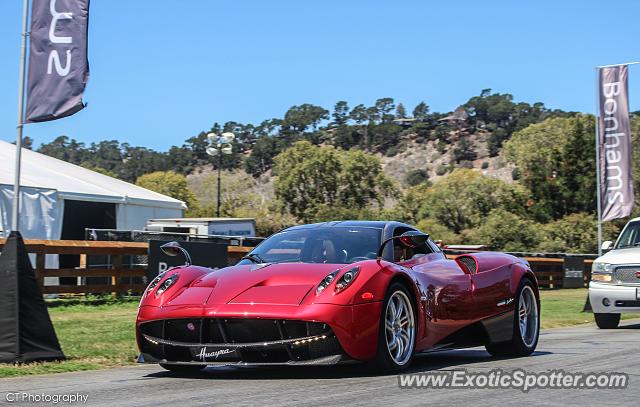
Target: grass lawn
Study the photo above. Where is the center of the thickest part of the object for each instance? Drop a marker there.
(93, 333)
(564, 308)
(99, 332)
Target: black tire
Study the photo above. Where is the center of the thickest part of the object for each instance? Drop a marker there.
(183, 369)
(607, 321)
(384, 362)
(518, 346)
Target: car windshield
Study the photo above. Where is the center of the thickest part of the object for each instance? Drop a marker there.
(630, 236)
(336, 245)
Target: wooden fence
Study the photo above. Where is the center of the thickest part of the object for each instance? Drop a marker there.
(550, 271)
(117, 273)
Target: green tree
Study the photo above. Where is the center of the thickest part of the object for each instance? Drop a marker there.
(415, 177)
(439, 232)
(261, 158)
(65, 149)
(401, 111)
(169, 183)
(384, 136)
(506, 231)
(310, 179)
(307, 176)
(99, 170)
(421, 111)
(27, 142)
(575, 233)
(362, 117)
(462, 200)
(464, 150)
(556, 160)
(300, 118)
(383, 109)
(341, 113)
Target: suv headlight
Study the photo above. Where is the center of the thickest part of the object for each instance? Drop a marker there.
(601, 272)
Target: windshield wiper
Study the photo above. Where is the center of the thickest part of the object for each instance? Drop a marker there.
(254, 258)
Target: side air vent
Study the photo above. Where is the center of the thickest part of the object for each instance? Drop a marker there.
(469, 263)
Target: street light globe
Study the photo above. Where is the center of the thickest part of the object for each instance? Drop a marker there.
(227, 150)
(212, 151)
(213, 137)
(228, 137)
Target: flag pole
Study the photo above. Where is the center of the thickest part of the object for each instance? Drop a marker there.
(23, 68)
(599, 198)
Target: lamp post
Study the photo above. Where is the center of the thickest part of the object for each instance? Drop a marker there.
(220, 144)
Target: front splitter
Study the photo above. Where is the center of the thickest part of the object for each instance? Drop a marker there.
(323, 361)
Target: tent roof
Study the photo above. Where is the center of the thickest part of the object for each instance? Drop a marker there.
(75, 182)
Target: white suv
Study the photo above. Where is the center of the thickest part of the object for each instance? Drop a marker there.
(615, 278)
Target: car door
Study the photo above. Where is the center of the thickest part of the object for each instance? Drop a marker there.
(491, 291)
(445, 291)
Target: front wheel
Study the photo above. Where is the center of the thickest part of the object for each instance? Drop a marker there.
(397, 336)
(526, 324)
(607, 321)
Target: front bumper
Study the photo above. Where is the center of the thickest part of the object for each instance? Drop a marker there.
(274, 334)
(621, 298)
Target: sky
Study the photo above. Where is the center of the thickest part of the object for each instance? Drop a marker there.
(164, 70)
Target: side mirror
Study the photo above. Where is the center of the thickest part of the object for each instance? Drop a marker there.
(173, 249)
(607, 245)
(413, 238)
(410, 239)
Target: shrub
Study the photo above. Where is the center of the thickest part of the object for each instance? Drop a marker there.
(506, 231)
(415, 177)
(441, 170)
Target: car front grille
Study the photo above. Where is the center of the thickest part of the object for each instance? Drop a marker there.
(627, 274)
(253, 340)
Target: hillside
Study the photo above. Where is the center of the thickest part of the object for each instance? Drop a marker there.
(513, 175)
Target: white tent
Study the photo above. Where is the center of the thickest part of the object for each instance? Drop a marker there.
(92, 200)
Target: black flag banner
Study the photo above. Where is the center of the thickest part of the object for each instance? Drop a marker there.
(614, 143)
(58, 65)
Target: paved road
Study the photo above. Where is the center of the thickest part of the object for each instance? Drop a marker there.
(582, 349)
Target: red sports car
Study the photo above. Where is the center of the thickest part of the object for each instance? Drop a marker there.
(331, 292)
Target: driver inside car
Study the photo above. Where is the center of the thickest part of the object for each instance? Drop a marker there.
(401, 252)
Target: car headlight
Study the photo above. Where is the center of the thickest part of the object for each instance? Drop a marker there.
(347, 278)
(171, 280)
(326, 281)
(155, 281)
(601, 272)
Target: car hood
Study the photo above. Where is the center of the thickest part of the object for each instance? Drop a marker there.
(281, 284)
(629, 255)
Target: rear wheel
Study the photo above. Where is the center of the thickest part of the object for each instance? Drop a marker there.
(526, 324)
(397, 336)
(185, 369)
(607, 321)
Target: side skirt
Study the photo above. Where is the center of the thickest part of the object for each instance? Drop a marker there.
(498, 328)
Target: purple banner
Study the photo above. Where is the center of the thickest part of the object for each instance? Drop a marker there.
(58, 65)
(614, 143)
